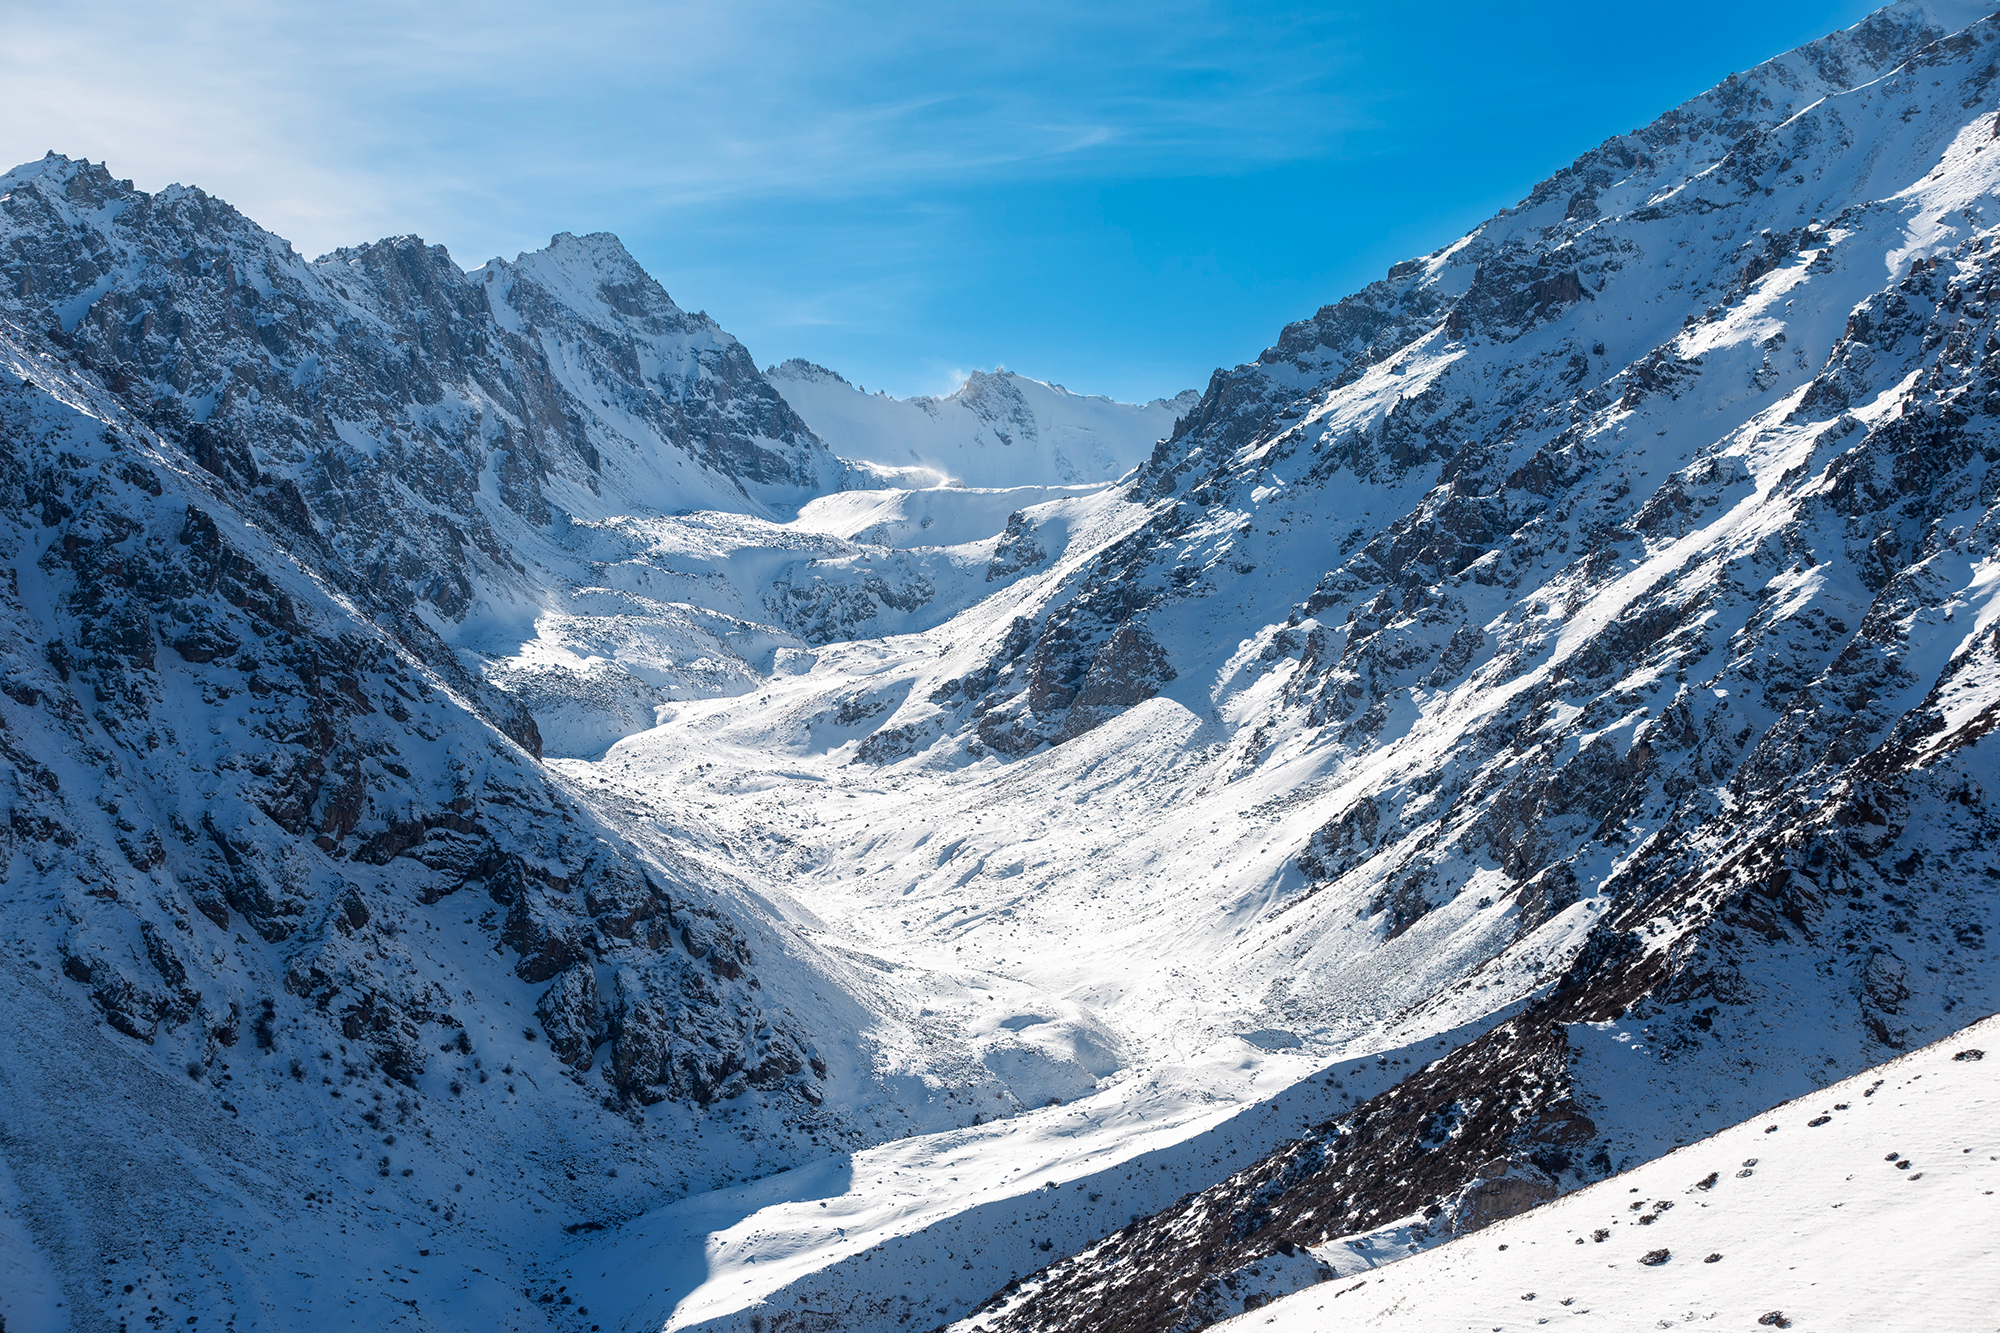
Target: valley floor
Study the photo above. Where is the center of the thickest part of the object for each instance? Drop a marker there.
(1051, 917)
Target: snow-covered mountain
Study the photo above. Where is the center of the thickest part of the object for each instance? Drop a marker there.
(330, 971)
(997, 429)
(1642, 681)
(1535, 716)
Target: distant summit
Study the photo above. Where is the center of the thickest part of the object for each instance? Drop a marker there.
(798, 368)
(996, 429)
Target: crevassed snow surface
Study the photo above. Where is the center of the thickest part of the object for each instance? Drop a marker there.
(1869, 1204)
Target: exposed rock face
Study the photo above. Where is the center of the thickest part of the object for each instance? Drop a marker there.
(1017, 549)
(204, 740)
(573, 1017)
(844, 598)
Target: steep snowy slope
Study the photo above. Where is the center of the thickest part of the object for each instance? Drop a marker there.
(998, 429)
(1871, 1204)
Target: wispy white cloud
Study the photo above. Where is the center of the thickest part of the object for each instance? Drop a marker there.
(486, 126)
(951, 381)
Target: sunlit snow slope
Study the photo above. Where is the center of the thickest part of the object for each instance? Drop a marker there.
(1870, 1204)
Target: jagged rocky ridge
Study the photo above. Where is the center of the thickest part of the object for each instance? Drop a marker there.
(1678, 619)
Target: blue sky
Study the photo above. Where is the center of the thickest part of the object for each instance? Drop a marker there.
(1117, 196)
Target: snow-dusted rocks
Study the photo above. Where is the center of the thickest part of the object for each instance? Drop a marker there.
(996, 429)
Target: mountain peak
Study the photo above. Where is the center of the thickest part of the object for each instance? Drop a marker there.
(78, 179)
(598, 267)
(996, 429)
(1948, 15)
(601, 250)
(799, 369)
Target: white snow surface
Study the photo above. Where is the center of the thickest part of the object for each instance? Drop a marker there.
(1870, 1204)
(640, 612)
(996, 429)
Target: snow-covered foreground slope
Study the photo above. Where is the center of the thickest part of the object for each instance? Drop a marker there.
(996, 429)
(1870, 1204)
